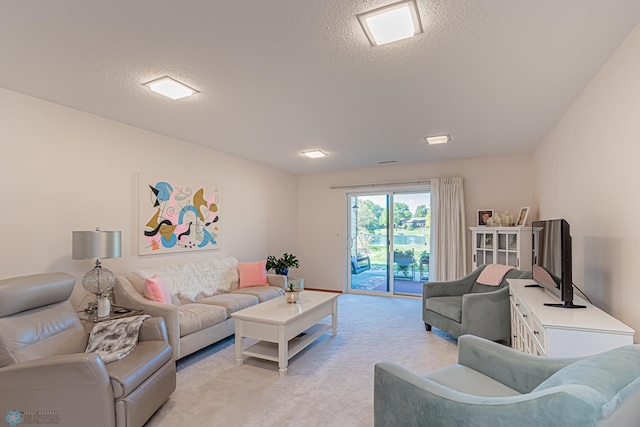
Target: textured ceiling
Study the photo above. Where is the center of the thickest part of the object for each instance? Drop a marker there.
(278, 77)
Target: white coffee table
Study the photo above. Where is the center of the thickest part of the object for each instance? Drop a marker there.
(284, 329)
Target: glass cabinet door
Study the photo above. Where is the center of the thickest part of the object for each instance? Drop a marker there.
(508, 248)
(484, 248)
(502, 245)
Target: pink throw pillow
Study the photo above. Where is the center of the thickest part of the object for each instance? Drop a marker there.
(156, 290)
(253, 274)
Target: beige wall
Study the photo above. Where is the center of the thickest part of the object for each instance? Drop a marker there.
(586, 170)
(64, 170)
(499, 183)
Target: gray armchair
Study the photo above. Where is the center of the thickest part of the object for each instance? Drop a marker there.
(494, 385)
(464, 306)
(45, 373)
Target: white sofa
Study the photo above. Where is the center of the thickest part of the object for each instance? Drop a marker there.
(203, 294)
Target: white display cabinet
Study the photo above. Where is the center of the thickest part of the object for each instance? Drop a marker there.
(501, 245)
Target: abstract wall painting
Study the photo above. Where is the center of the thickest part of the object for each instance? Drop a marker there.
(177, 216)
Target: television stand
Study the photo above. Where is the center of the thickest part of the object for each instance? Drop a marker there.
(566, 304)
(537, 328)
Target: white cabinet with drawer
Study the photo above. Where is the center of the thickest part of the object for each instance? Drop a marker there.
(560, 332)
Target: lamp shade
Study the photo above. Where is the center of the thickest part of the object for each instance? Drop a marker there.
(96, 244)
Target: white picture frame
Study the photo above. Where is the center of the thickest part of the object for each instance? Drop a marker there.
(522, 217)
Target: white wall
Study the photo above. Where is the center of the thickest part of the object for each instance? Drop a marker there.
(586, 170)
(64, 170)
(499, 183)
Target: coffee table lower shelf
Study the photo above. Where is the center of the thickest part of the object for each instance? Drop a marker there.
(269, 350)
(284, 329)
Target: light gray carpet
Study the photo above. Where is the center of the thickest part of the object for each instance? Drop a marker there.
(330, 383)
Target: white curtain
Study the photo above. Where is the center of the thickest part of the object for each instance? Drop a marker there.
(448, 230)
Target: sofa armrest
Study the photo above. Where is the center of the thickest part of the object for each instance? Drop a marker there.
(277, 280)
(445, 289)
(486, 314)
(456, 287)
(521, 371)
(153, 329)
(76, 386)
(128, 296)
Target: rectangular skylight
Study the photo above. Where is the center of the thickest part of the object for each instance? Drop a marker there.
(170, 88)
(390, 23)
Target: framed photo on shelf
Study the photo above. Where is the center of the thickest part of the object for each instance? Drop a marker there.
(522, 217)
(484, 215)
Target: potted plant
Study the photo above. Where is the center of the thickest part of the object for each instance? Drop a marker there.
(424, 265)
(292, 293)
(403, 260)
(281, 265)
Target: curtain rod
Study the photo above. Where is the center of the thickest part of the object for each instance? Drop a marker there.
(380, 184)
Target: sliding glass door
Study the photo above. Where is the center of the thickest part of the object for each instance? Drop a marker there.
(389, 236)
(369, 243)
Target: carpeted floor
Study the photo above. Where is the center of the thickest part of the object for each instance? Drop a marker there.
(330, 383)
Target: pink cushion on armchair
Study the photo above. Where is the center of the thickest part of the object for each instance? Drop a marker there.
(156, 290)
(253, 274)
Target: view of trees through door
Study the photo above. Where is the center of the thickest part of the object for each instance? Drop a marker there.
(389, 248)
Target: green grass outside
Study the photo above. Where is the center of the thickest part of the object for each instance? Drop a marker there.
(378, 252)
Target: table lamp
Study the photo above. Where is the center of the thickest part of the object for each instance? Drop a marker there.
(97, 244)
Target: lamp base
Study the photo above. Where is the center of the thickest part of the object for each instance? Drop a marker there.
(98, 280)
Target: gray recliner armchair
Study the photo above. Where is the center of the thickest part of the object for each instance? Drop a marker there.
(494, 385)
(45, 373)
(465, 306)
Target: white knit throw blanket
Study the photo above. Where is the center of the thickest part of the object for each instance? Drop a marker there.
(191, 281)
(114, 339)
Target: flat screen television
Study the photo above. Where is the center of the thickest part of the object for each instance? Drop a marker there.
(552, 267)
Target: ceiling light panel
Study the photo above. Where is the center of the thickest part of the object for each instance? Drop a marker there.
(440, 139)
(170, 88)
(314, 154)
(390, 23)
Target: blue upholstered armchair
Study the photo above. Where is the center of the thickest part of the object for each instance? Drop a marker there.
(494, 385)
(464, 306)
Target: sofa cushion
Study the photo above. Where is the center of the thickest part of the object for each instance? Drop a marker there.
(264, 293)
(449, 307)
(253, 274)
(156, 290)
(231, 302)
(466, 380)
(195, 317)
